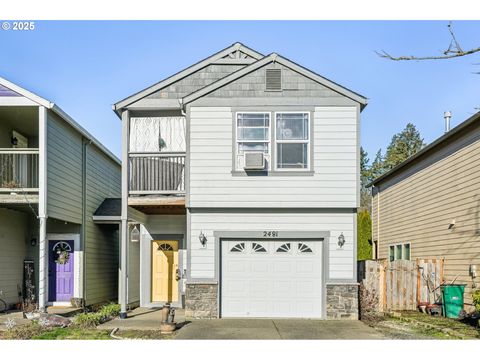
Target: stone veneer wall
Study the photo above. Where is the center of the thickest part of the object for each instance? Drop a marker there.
(201, 301)
(342, 301)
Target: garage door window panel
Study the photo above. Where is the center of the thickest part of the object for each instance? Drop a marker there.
(238, 248)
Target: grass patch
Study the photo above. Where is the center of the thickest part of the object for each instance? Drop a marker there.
(457, 326)
(74, 334)
(143, 335)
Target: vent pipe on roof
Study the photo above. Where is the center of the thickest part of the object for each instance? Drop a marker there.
(447, 115)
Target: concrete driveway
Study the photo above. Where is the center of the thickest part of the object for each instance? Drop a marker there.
(263, 329)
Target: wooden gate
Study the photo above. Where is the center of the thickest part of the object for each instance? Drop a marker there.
(402, 284)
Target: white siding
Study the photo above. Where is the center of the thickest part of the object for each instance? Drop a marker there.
(333, 185)
(64, 171)
(341, 261)
(13, 238)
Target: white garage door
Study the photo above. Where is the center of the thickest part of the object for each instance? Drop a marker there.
(271, 279)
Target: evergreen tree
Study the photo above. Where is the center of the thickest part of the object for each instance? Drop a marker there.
(365, 178)
(364, 237)
(403, 145)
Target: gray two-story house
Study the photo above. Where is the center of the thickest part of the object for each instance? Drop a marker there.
(240, 190)
(53, 176)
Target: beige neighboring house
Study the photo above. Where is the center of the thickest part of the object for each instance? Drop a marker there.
(429, 205)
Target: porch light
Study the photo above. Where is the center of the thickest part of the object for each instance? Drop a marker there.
(33, 242)
(14, 141)
(135, 234)
(203, 239)
(341, 240)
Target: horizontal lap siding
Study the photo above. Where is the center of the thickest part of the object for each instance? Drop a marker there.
(419, 207)
(64, 171)
(334, 183)
(203, 259)
(13, 250)
(101, 241)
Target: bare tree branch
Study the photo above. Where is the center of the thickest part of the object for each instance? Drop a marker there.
(454, 50)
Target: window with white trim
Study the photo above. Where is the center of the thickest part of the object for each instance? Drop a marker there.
(292, 137)
(253, 135)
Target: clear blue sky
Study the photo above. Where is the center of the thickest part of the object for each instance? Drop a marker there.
(85, 67)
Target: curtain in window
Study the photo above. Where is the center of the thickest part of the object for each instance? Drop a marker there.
(153, 134)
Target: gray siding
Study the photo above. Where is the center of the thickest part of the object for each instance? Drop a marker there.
(101, 241)
(64, 170)
(293, 85)
(14, 233)
(335, 154)
(195, 81)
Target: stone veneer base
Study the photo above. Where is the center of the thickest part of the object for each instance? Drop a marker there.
(201, 301)
(342, 301)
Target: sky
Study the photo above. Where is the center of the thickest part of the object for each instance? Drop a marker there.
(86, 66)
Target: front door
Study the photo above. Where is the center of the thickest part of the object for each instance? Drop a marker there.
(164, 271)
(60, 270)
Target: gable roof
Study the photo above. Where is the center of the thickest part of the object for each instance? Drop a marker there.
(4, 83)
(429, 149)
(220, 56)
(283, 61)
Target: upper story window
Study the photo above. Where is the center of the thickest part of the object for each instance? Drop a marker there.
(292, 140)
(253, 135)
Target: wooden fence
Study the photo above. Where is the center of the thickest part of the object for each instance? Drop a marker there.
(401, 284)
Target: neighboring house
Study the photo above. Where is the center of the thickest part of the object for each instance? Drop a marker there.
(53, 176)
(429, 205)
(243, 174)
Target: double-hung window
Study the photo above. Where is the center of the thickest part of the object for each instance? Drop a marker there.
(253, 135)
(292, 137)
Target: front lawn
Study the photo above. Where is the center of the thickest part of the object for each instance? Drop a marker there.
(416, 325)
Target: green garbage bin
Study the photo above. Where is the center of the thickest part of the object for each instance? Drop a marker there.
(452, 295)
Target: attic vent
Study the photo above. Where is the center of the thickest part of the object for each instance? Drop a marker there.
(273, 79)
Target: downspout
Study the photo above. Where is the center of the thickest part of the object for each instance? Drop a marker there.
(85, 143)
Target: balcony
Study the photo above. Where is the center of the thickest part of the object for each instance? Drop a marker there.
(19, 170)
(157, 173)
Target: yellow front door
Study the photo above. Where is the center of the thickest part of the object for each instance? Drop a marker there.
(164, 270)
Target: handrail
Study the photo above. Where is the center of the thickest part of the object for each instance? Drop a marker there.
(157, 154)
(157, 173)
(19, 150)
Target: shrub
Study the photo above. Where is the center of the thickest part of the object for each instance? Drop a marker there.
(93, 319)
(364, 237)
(476, 300)
(24, 332)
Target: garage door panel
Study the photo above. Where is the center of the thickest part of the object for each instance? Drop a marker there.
(258, 281)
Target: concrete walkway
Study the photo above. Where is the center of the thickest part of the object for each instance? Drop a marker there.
(142, 319)
(263, 329)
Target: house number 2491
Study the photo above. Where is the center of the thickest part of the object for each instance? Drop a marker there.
(270, 234)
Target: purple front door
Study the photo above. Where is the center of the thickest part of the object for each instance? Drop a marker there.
(60, 270)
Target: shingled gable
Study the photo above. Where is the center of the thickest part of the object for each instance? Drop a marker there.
(285, 62)
(234, 54)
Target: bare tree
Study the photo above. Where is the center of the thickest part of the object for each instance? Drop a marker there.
(454, 50)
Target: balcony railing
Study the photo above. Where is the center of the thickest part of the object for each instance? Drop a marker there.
(19, 169)
(160, 173)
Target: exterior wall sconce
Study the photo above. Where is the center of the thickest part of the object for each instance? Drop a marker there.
(341, 240)
(14, 141)
(33, 242)
(135, 234)
(203, 239)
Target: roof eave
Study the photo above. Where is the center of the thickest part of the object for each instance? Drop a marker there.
(118, 106)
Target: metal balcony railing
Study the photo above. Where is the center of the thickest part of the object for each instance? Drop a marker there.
(19, 169)
(160, 173)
